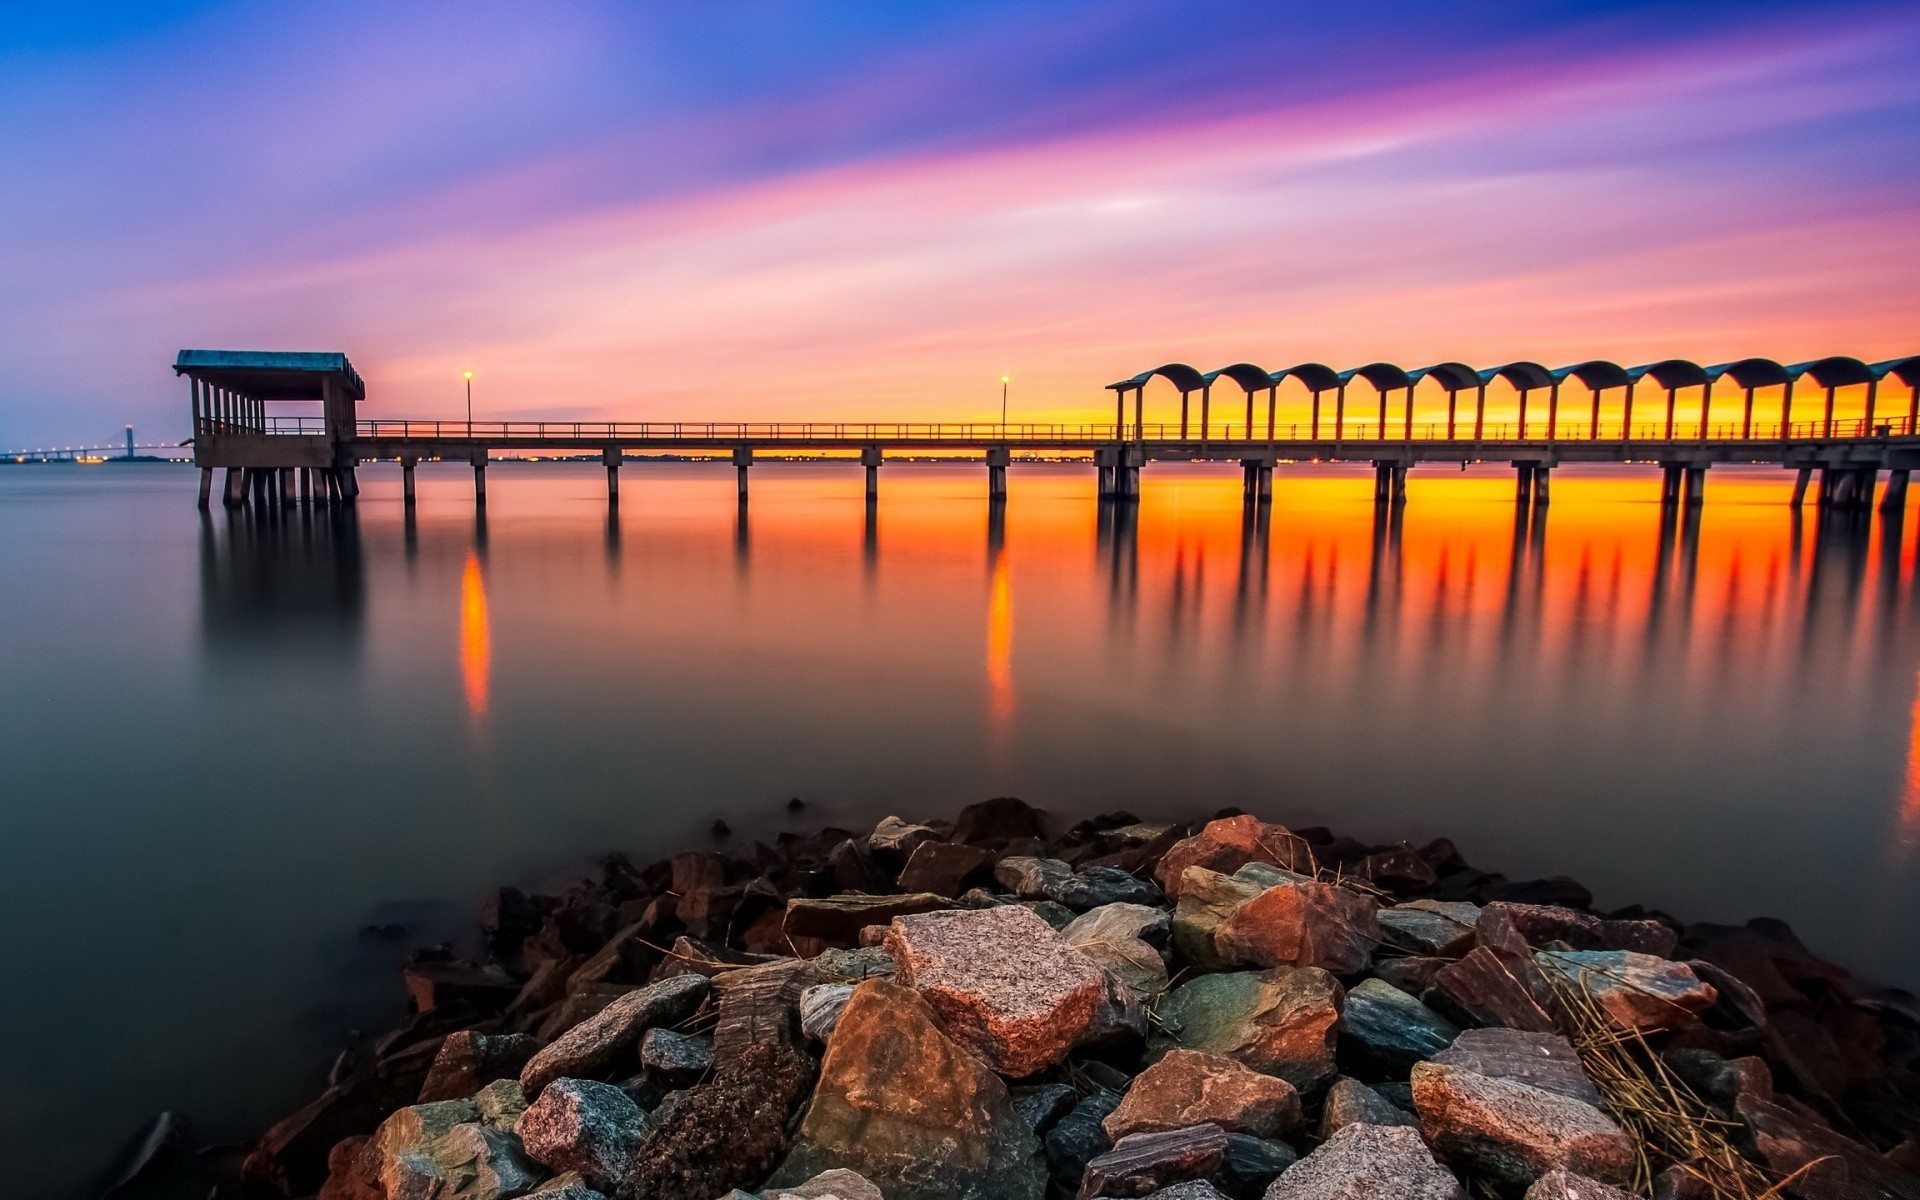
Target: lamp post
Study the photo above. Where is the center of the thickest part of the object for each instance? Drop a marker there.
(1004, 381)
(468, 376)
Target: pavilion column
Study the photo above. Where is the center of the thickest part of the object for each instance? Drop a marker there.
(1523, 414)
(1479, 411)
(1593, 429)
(1706, 406)
(1626, 413)
(1746, 416)
(1672, 393)
(1273, 396)
(1553, 410)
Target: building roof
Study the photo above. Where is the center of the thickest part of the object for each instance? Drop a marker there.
(270, 374)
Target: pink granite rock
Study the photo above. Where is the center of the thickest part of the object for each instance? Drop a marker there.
(1304, 925)
(1230, 843)
(1001, 980)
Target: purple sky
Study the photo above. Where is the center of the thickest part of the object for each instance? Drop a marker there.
(858, 210)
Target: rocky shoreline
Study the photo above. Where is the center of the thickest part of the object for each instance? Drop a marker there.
(993, 1009)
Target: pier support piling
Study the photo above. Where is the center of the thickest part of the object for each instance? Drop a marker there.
(742, 459)
(1670, 479)
(306, 485)
(870, 458)
(611, 457)
(1696, 486)
(1523, 484)
(206, 487)
(406, 479)
(288, 489)
(1542, 475)
(1801, 479)
(998, 459)
(480, 478)
(1893, 501)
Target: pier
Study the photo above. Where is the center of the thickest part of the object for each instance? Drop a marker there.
(1591, 412)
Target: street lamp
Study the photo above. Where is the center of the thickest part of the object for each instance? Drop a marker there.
(468, 376)
(1004, 381)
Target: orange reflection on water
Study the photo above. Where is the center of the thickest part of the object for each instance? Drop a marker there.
(1000, 645)
(476, 647)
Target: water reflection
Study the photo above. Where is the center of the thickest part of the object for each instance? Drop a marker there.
(284, 582)
(476, 645)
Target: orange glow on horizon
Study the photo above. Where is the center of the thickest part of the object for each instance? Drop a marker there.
(476, 647)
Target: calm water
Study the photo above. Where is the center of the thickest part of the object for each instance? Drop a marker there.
(228, 745)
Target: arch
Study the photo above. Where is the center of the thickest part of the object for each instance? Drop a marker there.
(1750, 374)
(1251, 379)
(1598, 374)
(1455, 377)
(1180, 375)
(1385, 377)
(1832, 374)
(1907, 371)
(1317, 378)
(1671, 374)
(1524, 376)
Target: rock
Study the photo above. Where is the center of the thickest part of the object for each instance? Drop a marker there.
(1718, 1080)
(1637, 991)
(1121, 1015)
(854, 871)
(1052, 879)
(1411, 975)
(851, 966)
(897, 839)
(1565, 1185)
(820, 1007)
(1389, 1030)
(1544, 923)
(1055, 914)
(1193, 1189)
(1080, 1136)
(1558, 890)
(1189, 1087)
(501, 1104)
(435, 984)
(1003, 819)
(1400, 869)
(1002, 982)
(1513, 1132)
(1368, 1162)
(1281, 1022)
(675, 1060)
(1111, 936)
(1543, 1060)
(838, 920)
(1207, 899)
(1437, 928)
(1491, 987)
(468, 1061)
(1834, 1167)
(1144, 1163)
(1303, 925)
(1042, 1105)
(1350, 1102)
(943, 868)
(1253, 1163)
(591, 1046)
(429, 1151)
(911, 1109)
(1227, 844)
(837, 1184)
(566, 1187)
(479, 1163)
(584, 1126)
(578, 1007)
(151, 1155)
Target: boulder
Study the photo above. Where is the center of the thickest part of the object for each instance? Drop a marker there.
(1144, 1163)
(1636, 991)
(1398, 869)
(837, 1184)
(1350, 1102)
(897, 839)
(501, 1104)
(943, 868)
(590, 1047)
(1826, 1165)
(1042, 1105)
(911, 1109)
(1368, 1162)
(851, 966)
(1207, 899)
(1544, 923)
(1120, 1017)
(675, 1060)
(1253, 1163)
(1411, 975)
(565, 1187)
(436, 983)
(1512, 1132)
(1080, 1136)
(1436, 928)
(1565, 1185)
(474, 1162)
(1052, 879)
(820, 1007)
(1111, 936)
(1002, 981)
(1389, 1030)
(838, 920)
(469, 1061)
(1001, 820)
(1192, 1189)
(1306, 924)
(584, 1126)
(1281, 1022)
(1494, 987)
(1229, 843)
(1543, 1060)
(1189, 1087)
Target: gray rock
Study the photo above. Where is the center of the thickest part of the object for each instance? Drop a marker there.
(1079, 1137)
(1350, 1102)
(401, 1148)
(1283, 1022)
(675, 1060)
(1052, 879)
(1052, 912)
(851, 966)
(1193, 1189)
(820, 1008)
(1207, 899)
(468, 1061)
(1143, 1163)
(1042, 1105)
(568, 1186)
(837, 1184)
(1565, 1185)
(501, 1103)
(1512, 1132)
(896, 839)
(1543, 1060)
(1253, 1163)
(1389, 1030)
(1119, 922)
(1368, 1162)
(580, 1125)
(591, 1046)
(1437, 928)
(1112, 936)
(478, 1163)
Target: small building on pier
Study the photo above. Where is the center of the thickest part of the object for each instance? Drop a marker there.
(241, 422)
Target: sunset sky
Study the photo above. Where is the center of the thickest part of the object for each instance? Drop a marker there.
(871, 211)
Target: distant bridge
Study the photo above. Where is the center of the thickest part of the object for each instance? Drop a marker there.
(47, 454)
(276, 459)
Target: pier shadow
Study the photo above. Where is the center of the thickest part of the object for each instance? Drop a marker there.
(289, 583)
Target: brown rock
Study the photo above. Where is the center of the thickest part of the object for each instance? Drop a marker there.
(1303, 925)
(432, 985)
(1400, 869)
(1830, 1166)
(591, 1046)
(1543, 923)
(1543, 1060)
(1565, 1185)
(1207, 898)
(1146, 1162)
(838, 920)
(469, 1061)
(353, 1171)
(1281, 1022)
(1492, 987)
(1350, 1102)
(1411, 975)
(1188, 1087)
(1513, 1132)
(1002, 981)
(911, 1109)
(1227, 844)
(1637, 991)
(896, 840)
(1368, 1162)
(1002, 819)
(944, 868)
